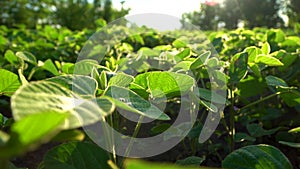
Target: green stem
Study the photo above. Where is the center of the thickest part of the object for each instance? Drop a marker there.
(108, 138)
(231, 120)
(135, 133)
(263, 99)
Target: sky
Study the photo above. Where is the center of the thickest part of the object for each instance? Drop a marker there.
(171, 7)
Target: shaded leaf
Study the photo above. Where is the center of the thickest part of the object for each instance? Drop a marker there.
(257, 157)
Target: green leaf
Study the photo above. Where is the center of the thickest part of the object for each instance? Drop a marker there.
(11, 57)
(121, 80)
(275, 81)
(32, 131)
(266, 49)
(183, 65)
(130, 101)
(200, 60)
(257, 157)
(268, 60)
(67, 68)
(294, 145)
(288, 60)
(241, 137)
(138, 164)
(169, 84)
(295, 130)
(49, 66)
(192, 160)
(179, 43)
(253, 52)
(69, 135)
(9, 82)
(246, 89)
(159, 128)
(238, 67)
(184, 54)
(76, 155)
(43, 96)
(85, 67)
(209, 106)
(27, 56)
(256, 130)
(255, 69)
(84, 86)
(292, 98)
(211, 96)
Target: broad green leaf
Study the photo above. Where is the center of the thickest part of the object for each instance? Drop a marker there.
(148, 52)
(165, 83)
(130, 101)
(200, 60)
(76, 155)
(241, 137)
(295, 145)
(266, 49)
(121, 80)
(257, 157)
(49, 66)
(95, 75)
(268, 60)
(255, 69)
(211, 96)
(179, 43)
(9, 82)
(159, 128)
(84, 86)
(295, 130)
(275, 81)
(192, 160)
(85, 67)
(292, 98)
(183, 65)
(252, 51)
(183, 54)
(27, 56)
(213, 63)
(69, 135)
(238, 67)
(138, 164)
(256, 130)
(162, 47)
(11, 57)
(32, 131)
(288, 60)
(246, 89)
(49, 96)
(67, 68)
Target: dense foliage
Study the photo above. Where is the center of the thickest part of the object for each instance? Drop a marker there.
(250, 13)
(73, 14)
(258, 69)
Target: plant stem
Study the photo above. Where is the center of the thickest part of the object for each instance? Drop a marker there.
(231, 120)
(262, 100)
(135, 133)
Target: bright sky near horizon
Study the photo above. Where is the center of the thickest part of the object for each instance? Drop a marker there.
(170, 7)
